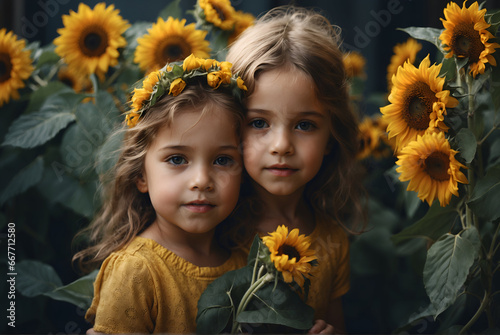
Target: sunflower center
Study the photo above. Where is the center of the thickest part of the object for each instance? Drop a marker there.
(5, 67)
(466, 42)
(436, 166)
(286, 249)
(419, 99)
(67, 81)
(93, 41)
(219, 11)
(172, 49)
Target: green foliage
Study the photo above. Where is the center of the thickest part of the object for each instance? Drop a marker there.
(241, 299)
(447, 266)
(36, 278)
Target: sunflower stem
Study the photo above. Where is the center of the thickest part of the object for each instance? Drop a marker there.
(39, 80)
(255, 267)
(248, 296)
(470, 171)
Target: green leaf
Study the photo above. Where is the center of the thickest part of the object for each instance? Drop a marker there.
(436, 222)
(38, 97)
(34, 129)
(484, 198)
(48, 57)
(426, 34)
(77, 151)
(23, 180)
(173, 9)
(448, 69)
(278, 306)
(218, 301)
(494, 157)
(253, 250)
(412, 202)
(35, 278)
(79, 293)
(467, 144)
(447, 266)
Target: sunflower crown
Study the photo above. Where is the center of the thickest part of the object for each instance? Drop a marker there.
(173, 78)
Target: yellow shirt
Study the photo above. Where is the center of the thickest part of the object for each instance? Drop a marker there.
(331, 278)
(145, 288)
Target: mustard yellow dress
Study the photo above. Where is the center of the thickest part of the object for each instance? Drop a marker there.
(331, 278)
(145, 288)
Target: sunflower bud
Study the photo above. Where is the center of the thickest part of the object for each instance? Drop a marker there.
(208, 63)
(241, 84)
(132, 119)
(214, 79)
(191, 62)
(177, 86)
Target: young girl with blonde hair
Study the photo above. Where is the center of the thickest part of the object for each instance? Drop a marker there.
(300, 143)
(175, 183)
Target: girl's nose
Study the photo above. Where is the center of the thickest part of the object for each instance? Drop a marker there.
(281, 143)
(201, 179)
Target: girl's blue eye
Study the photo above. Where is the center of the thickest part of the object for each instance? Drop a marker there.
(259, 124)
(176, 160)
(305, 125)
(223, 160)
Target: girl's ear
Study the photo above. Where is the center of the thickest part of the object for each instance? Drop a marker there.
(142, 184)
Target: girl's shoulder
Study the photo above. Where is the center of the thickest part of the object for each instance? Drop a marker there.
(329, 229)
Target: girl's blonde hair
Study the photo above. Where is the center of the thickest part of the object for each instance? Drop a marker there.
(297, 39)
(126, 212)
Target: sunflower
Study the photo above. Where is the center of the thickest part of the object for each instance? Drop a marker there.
(369, 138)
(170, 41)
(465, 36)
(74, 80)
(220, 13)
(242, 21)
(90, 39)
(430, 165)
(354, 64)
(290, 253)
(418, 102)
(15, 65)
(142, 95)
(402, 52)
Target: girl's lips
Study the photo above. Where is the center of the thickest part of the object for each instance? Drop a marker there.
(280, 170)
(199, 206)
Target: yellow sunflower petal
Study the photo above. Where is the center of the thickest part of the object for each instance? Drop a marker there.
(427, 163)
(15, 65)
(465, 36)
(170, 41)
(90, 39)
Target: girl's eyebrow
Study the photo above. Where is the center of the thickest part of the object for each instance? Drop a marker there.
(300, 113)
(186, 147)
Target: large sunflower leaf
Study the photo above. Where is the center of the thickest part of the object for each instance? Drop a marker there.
(426, 34)
(79, 293)
(277, 305)
(35, 278)
(173, 9)
(36, 128)
(467, 144)
(436, 222)
(24, 179)
(217, 303)
(447, 266)
(484, 199)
